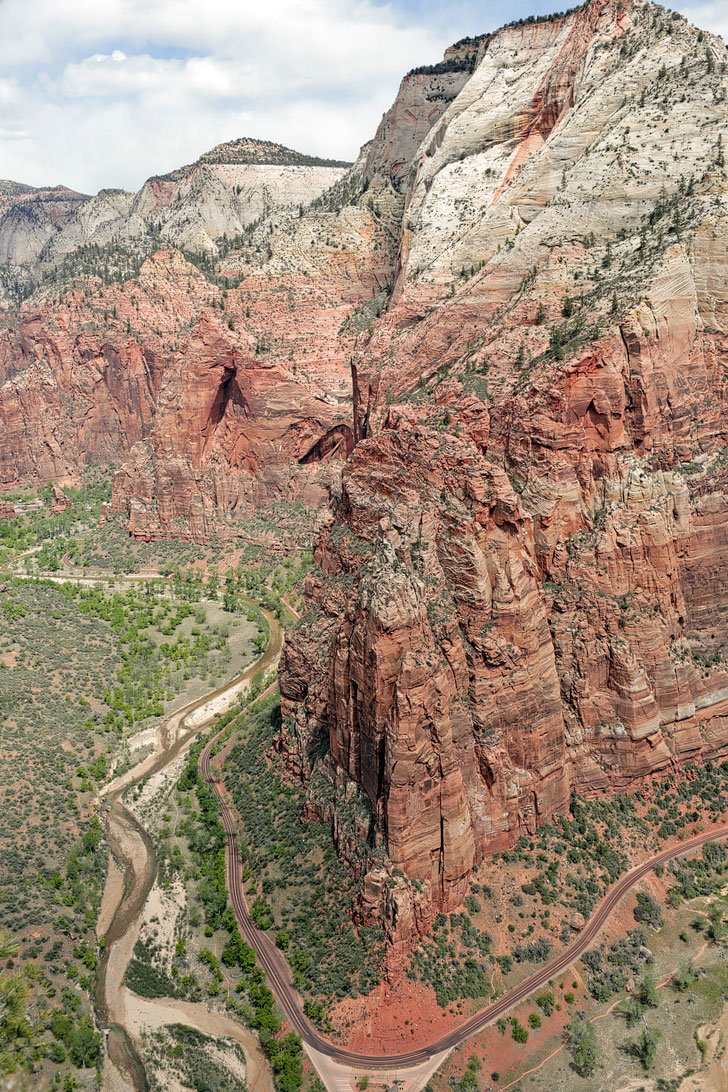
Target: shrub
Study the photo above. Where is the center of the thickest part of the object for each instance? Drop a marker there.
(519, 1032)
(582, 1046)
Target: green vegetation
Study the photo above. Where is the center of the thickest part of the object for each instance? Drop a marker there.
(609, 970)
(645, 1047)
(111, 263)
(648, 910)
(457, 961)
(145, 978)
(37, 526)
(645, 997)
(582, 1045)
(53, 749)
(37, 1024)
(266, 152)
(298, 884)
(186, 1053)
(254, 1001)
(518, 1031)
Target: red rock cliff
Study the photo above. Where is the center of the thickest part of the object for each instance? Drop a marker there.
(522, 594)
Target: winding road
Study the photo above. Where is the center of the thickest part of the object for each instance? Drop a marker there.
(173, 739)
(279, 976)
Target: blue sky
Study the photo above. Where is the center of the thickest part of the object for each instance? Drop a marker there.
(98, 93)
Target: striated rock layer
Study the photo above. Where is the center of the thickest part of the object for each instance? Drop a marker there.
(519, 593)
(523, 593)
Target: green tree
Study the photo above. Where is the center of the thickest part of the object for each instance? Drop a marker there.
(646, 993)
(582, 1046)
(645, 1048)
(85, 1045)
(556, 344)
(16, 1032)
(519, 1032)
(716, 928)
(683, 978)
(648, 911)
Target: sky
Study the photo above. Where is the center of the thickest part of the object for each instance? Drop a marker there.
(105, 93)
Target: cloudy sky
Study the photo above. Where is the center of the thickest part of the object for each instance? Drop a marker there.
(98, 93)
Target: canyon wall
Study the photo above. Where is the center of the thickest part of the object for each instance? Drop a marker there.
(519, 589)
(522, 594)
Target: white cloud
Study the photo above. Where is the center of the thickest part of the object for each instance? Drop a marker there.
(106, 92)
(710, 16)
(115, 90)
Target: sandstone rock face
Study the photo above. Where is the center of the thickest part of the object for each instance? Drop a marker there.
(230, 433)
(521, 595)
(79, 380)
(195, 207)
(439, 695)
(226, 385)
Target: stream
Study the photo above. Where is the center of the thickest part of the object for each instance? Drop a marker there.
(134, 855)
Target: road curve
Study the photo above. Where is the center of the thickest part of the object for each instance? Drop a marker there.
(279, 976)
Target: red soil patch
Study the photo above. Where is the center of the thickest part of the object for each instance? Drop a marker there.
(390, 1019)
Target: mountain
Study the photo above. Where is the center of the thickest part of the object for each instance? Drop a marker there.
(113, 310)
(520, 597)
(519, 585)
(194, 207)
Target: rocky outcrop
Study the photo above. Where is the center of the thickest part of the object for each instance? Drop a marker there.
(428, 673)
(521, 593)
(79, 376)
(231, 433)
(60, 502)
(520, 597)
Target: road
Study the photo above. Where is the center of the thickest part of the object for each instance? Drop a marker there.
(279, 976)
(277, 970)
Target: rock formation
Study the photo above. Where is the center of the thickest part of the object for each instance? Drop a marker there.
(194, 207)
(519, 590)
(521, 597)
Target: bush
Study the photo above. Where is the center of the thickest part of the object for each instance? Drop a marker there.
(648, 911)
(645, 1048)
(582, 1046)
(519, 1032)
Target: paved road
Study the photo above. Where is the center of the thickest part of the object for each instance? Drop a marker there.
(279, 976)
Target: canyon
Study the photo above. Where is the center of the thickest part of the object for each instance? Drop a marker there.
(520, 511)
